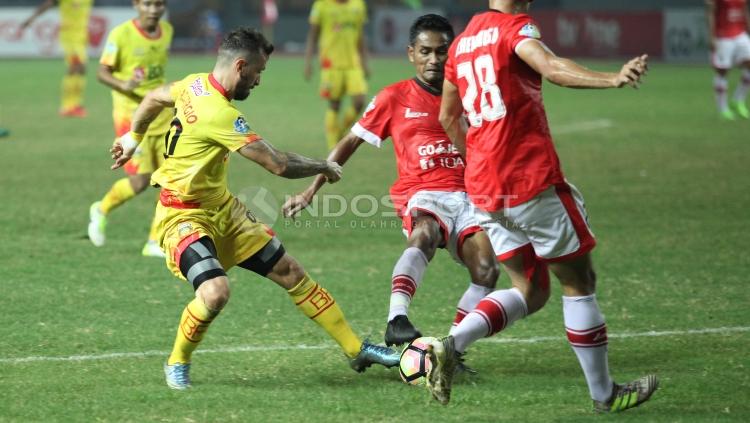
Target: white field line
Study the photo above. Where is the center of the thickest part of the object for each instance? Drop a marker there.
(265, 348)
(583, 126)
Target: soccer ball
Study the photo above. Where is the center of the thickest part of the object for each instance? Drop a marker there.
(415, 362)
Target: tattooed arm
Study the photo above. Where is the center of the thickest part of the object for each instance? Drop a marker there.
(287, 164)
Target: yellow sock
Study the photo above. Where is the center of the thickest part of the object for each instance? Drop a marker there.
(72, 91)
(350, 116)
(193, 325)
(316, 302)
(332, 128)
(153, 233)
(120, 192)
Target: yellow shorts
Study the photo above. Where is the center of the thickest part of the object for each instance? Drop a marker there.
(235, 232)
(74, 51)
(150, 153)
(336, 83)
(147, 157)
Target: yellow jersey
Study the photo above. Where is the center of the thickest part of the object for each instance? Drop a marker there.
(133, 54)
(74, 21)
(205, 130)
(340, 30)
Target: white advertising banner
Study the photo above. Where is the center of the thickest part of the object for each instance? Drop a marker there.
(40, 39)
(686, 35)
(391, 27)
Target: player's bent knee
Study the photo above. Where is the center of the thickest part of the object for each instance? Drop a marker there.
(485, 272)
(214, 293)
(199, 263)
(425, 235)
(287, 273)
(536, 297)
(139, 182)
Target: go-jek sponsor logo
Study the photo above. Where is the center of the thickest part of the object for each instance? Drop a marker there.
(440, 154)
(409, 114)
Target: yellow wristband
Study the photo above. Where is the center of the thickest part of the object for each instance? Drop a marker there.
(137, 137)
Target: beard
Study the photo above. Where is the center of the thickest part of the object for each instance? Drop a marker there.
(242, 92)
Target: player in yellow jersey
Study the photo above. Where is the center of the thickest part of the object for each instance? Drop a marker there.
(74, 36)
(132, 64)
(336, 27)
(204, 229)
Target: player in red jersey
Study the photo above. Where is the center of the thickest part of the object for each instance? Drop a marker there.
(728, 22)
(429, 194)
(494, 75)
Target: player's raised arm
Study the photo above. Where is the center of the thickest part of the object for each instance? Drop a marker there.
(343, 150)
(451, 116)
(567, 73)
(287, 164)
(154, 102)
(43, 7)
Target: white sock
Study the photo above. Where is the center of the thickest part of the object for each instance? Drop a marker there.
(495, 312)
(721, 85)
(407, 275)
(587, 334)
(468, 302)
(740, 93)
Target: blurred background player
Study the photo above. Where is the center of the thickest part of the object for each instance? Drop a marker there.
(429, 194)
(74, 37)
(493, 78)
(204, 229)
(336, 27)
(132, 64)
(728, 22)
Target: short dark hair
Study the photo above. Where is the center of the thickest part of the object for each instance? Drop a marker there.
(244, 39)
(431, 22)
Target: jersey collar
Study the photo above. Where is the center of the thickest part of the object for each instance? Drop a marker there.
(146, 34)
(214, 83)
(430, 89)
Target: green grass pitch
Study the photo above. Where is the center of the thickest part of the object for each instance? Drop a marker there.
(668, 192)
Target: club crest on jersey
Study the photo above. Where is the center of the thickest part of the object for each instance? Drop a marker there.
(184, 229)
(198, 88)
(530, 30)
(241, 126)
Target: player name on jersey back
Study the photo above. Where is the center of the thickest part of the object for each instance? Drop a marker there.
(482, 39)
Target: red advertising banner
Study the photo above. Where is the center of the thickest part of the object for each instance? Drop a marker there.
(41, 39)
(602, 34)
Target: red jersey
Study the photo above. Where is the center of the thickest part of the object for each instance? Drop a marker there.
(510, 157)
(407, 111)
(730, 17)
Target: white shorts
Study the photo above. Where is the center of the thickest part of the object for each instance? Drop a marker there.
(554, 223)
(731, 52)
(454, 213)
